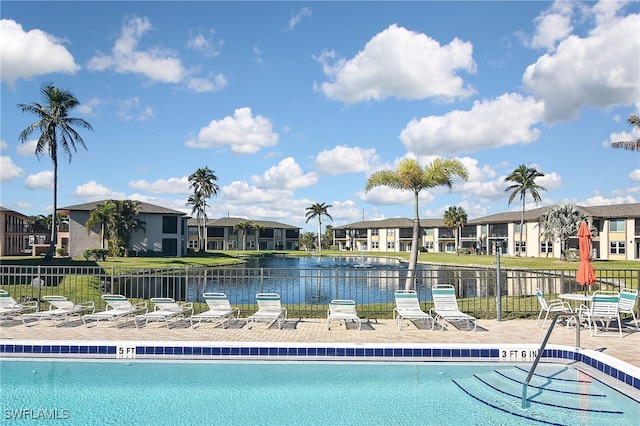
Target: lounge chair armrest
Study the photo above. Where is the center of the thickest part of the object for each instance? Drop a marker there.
(27, 306)
(87, 306)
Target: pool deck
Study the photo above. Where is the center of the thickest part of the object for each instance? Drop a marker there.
(314, 330)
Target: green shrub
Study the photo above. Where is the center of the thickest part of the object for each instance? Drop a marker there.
(96, 254)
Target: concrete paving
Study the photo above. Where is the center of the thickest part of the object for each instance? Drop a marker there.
(314, 330)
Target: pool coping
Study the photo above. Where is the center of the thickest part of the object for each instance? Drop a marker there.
(272, 351)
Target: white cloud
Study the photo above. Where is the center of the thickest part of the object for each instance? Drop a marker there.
(212, 84)
(286, 175)
(343, 159)
(88, 106)
(399, 63)
(3, 145)
(601, 69)
(28, 148)
(162, 186)
(507, 120)
(26, 54)
(553, 25)
(9, 170)
(130, 109)
(241, 193)
(385, 196)
(205, 43)
(296, 17)
(42, 180)
(93, 191)
(599, 200)
(243, 133)
(634, 176)
(155, 63)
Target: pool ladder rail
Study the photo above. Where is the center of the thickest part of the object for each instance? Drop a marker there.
(576, 316)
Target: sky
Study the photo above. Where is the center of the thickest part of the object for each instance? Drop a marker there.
(294, 103)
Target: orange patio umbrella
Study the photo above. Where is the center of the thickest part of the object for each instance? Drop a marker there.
(586, 275)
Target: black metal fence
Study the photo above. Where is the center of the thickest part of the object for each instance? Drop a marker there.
(307, 292)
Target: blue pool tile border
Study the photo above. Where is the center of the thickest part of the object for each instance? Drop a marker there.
(284, 352)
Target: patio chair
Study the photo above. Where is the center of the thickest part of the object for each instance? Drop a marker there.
(408, 307)
(343, 310)
(627, 304)
(60, 310)
(219, 310)
(118, 308)
(604, 309)
(446, 307)
(269, 309)
(9, 308)
(554, 305)
(165, 309)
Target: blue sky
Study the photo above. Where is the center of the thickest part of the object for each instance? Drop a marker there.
(293, 103)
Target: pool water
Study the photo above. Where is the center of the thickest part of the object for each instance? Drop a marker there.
(304, 393)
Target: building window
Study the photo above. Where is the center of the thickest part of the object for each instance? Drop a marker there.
(391, 232)
(277, 232)
(374, 245)
(524, 247)
(193, 231)
(429, 245)
(616, 225)
(524, 228)
(616, 247)
(193, 244)
(374, 232)
(546, 247)
(169, 224)
(391, 245)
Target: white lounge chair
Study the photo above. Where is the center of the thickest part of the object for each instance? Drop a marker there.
(269, 309)
(219, 310)
(165, 309)
(9, 308)
(627, 304)
(60, 309)
(408, 307)
(604, 309)
(555, 305)
(446, 307)
(343, 310)
(118, 308)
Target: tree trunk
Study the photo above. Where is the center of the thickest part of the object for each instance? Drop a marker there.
(54, 225)
(413, 257)
(319, 230)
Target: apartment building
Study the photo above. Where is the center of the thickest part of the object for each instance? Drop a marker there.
(616, 234)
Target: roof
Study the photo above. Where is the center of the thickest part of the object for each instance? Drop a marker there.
(142, 208)
(232, 221)
(3, 209)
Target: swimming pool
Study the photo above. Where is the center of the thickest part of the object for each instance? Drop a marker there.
(305, 393)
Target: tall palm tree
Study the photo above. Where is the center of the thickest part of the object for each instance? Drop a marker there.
(410, 176)
(633, 120)
(199, 205)
(318, 210)
(455, 218)
(101, 215)
(203, 183)
(523, 179)
(56, 131)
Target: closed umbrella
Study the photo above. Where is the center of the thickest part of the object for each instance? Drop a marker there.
(585, 276)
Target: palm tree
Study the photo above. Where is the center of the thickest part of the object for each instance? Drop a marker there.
(101, 215)
(561, 222)
(634, 120)
(455, 218)
(410, 176)
(244, 227)
(524, 182)
(318, 210)
(56, 131)
(203, 183)
(123, 224)
(199, 205)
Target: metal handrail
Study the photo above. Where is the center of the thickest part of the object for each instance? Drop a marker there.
(576, 315)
